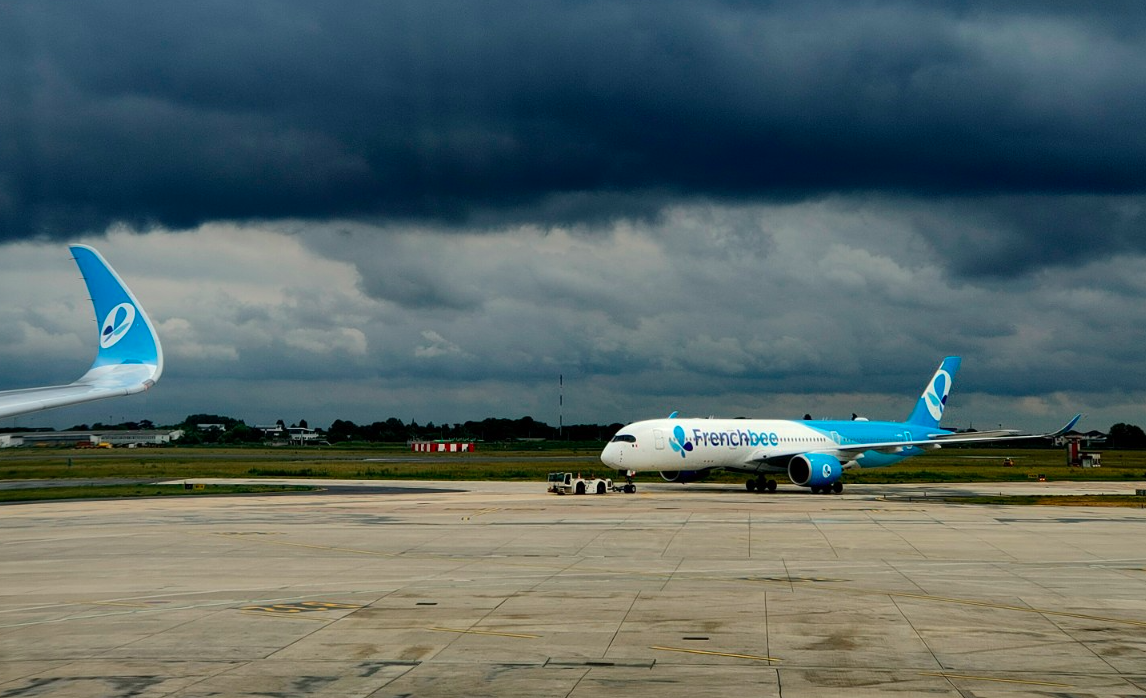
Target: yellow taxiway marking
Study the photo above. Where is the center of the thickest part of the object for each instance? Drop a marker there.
(484, 632)
(292, 609)
(302, 607)
(292, 616)
(714, 654)
(111, 603)
(989, 678)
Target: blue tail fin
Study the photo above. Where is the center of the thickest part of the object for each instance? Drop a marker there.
(929, 410)
(126, 334)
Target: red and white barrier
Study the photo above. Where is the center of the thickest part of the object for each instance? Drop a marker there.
(443, 446)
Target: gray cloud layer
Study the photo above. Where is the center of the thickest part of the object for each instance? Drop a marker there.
(430, 209)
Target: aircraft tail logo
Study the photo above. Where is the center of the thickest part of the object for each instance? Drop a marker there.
(929, 410)
(936, 394)
(117, 323)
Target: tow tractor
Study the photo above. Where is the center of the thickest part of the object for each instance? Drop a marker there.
(573, 483)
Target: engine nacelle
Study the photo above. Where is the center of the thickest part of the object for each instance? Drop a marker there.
(814, 470)
(684, 476)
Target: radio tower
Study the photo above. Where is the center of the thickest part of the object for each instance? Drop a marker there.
(560, 406)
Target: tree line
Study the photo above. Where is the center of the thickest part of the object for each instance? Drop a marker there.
(205, 428)
(230, 430)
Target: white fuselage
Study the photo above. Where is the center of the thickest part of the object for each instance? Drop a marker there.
(747, 444)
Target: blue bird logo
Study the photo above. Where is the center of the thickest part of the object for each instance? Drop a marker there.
(679, 442)
(116, 324)
(936, 394)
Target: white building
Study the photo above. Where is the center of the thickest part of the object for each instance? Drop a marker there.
(150, 437)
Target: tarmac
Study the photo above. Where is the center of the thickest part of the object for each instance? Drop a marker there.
(500, 589)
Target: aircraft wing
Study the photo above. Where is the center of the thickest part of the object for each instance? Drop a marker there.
(953, 438)
(129, 358)
(932, 440)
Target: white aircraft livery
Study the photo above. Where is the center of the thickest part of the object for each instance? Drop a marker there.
(129, 358)
(813, 453)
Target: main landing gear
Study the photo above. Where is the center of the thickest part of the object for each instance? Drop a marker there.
(761, 485)
(834, 488)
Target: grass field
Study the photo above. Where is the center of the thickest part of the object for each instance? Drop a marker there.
(1084, 500)
(502, 463)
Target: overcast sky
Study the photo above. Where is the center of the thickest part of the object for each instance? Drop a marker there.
(431, 210)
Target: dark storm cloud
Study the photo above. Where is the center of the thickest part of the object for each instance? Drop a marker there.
(478, 113)
(1007, 236)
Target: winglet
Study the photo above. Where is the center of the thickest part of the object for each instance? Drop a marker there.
(129, 355)
(1068, 427)
(128, 360)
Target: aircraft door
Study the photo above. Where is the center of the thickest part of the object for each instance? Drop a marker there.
(659, 439)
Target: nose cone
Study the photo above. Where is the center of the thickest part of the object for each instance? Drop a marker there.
(610, 455)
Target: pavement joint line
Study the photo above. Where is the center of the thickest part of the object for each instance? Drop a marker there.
(668, 576)
(317, 547)
(462, 631)
(1028, 682)
(712, 653)
(481, 512)
(148, 609)
(89, 616)
(1008, 607)
(964, 602)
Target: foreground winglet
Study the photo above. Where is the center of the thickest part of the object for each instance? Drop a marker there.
(126, 337)
(129, 358)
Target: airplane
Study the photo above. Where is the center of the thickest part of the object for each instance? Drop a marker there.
(129, 358)
(813, 453)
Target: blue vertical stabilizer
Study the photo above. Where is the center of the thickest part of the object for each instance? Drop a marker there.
(929, 410)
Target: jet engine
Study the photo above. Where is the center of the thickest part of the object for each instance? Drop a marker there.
(684, 476)
(815, 470)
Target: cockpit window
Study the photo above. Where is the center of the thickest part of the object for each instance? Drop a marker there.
(625, 438)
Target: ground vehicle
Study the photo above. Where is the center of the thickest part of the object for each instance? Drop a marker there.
(573, 483)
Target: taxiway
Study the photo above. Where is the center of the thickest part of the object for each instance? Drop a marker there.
(471, 589)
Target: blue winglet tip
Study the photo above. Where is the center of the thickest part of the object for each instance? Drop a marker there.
(1072, 422)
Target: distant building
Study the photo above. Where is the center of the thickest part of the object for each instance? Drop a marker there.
(303, 435)
(1088, 438)
(150, 437)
